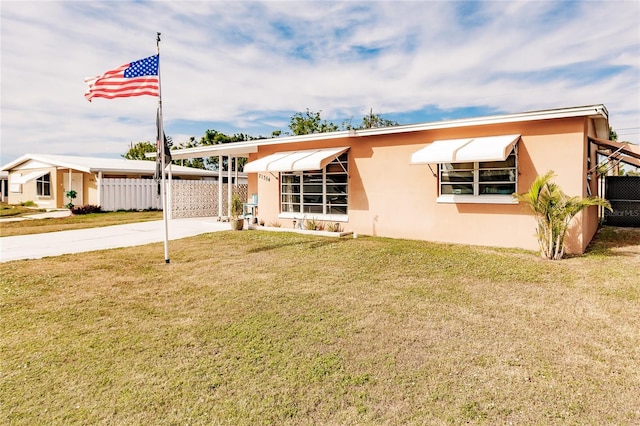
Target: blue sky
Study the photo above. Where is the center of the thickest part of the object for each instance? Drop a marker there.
(247, 67)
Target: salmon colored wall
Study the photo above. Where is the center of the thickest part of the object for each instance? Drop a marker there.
(390, 197)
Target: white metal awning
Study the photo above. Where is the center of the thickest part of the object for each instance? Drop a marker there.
(491, 148)
(28, 177)
(439, 151)
(295, 161)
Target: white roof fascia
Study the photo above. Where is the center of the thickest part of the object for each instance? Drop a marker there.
(594, 111)
(243, 149)
(211, 151)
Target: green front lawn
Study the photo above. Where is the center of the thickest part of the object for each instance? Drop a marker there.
(92, 220)
(254, 327)
(18, 210)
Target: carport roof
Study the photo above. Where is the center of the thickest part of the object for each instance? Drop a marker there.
(625, 152)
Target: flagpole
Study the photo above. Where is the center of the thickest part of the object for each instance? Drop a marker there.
(160, 136)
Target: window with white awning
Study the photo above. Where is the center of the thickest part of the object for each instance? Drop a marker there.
(314, 183)
(473, 170)
(492, 148)
(17, 180)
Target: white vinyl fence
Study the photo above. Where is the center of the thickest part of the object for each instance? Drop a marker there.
(189, 198)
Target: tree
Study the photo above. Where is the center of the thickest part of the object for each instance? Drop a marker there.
(612, 134)
(196, 163)
(213, 137)
(305, 123)
(554, 210)
(374, 120)
(138, 150)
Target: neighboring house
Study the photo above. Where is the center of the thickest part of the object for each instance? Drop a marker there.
(447, 181)
(45, 179)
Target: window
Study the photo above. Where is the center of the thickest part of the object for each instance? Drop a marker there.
(43, 185)
(479, 179)
(317, 192)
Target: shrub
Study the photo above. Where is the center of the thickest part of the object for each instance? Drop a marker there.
(236, 206)
(85, 209)
(333, 227)
(554, 210)
(310, 224)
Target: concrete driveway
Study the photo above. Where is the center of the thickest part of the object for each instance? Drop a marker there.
(37, 246)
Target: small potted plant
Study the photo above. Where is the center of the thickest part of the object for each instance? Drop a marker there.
(237, 222)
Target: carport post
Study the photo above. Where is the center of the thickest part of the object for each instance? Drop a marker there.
(229, 187)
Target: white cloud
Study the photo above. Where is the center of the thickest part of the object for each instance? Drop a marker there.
(249, 66)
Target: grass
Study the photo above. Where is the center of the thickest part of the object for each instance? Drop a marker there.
(256, 327)
(91, 220)
(18, 210)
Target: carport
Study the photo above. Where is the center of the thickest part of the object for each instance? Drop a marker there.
(232, 151)
(623, 192)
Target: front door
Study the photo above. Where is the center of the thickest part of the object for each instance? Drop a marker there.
(76, 185)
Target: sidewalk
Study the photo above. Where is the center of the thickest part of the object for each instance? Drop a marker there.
(37, 246)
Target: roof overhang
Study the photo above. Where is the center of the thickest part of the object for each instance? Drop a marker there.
(226, 149)
(491, 148)
(295, 161)
(598, 113)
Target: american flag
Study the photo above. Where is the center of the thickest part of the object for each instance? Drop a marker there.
(133, 79)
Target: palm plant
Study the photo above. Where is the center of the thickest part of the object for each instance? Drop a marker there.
(236, 212)
(554, 210)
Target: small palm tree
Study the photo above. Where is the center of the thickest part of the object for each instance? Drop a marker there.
(236, 212)
(554, 210)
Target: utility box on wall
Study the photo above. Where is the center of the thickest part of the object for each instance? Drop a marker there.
(623, 192)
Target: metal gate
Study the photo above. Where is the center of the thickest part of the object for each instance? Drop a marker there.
(623, 192)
